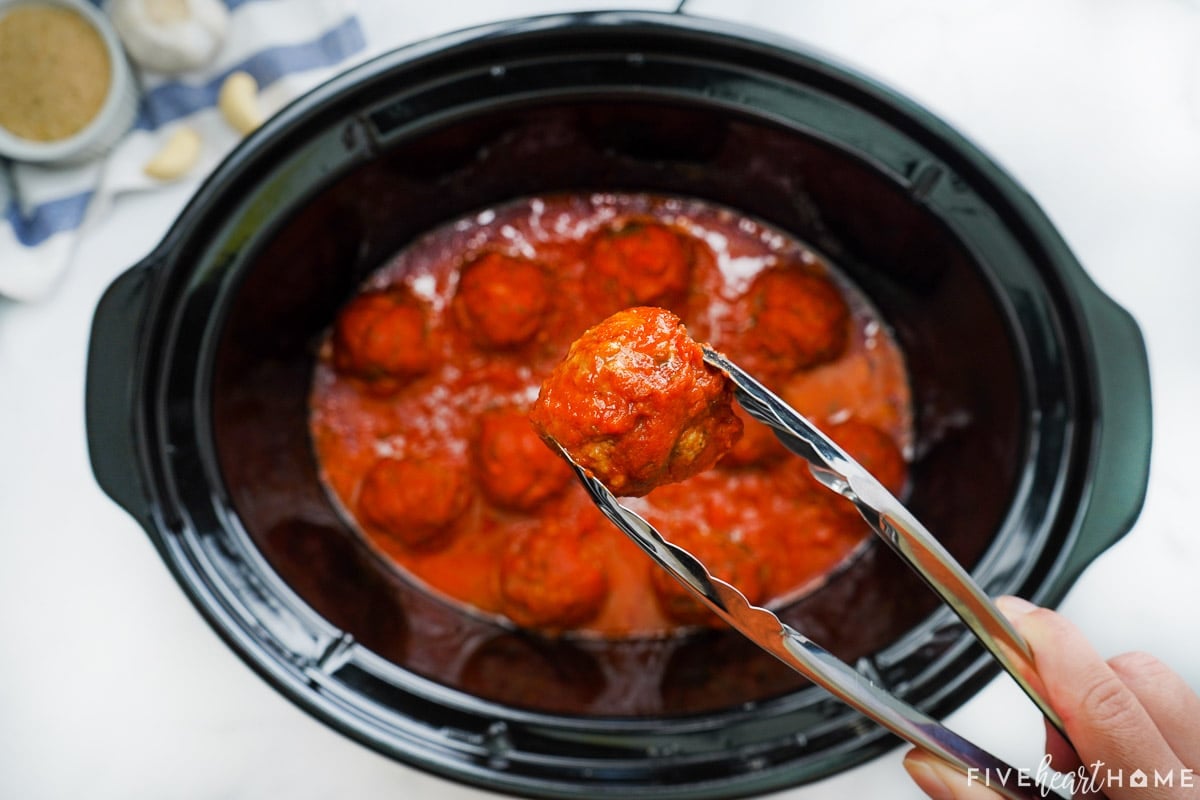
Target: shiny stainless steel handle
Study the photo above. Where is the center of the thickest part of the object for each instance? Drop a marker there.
(895, 524)
(807, 657)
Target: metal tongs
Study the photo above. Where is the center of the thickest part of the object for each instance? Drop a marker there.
(903, 532)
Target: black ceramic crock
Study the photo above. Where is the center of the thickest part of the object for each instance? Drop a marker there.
(1030, 387)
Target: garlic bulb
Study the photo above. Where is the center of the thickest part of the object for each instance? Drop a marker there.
(170, 36)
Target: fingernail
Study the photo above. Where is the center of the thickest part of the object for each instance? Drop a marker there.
(927, 777)
(1014, 607)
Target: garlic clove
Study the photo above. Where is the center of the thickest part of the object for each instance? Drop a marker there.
(170, 36)
(238, 101)
(177, 156)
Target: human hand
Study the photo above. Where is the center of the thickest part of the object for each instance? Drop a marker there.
(1126, 714)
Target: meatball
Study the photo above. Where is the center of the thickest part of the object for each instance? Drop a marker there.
(818, 536)
(516, 470)
(384, 336)
(415, 501)
(788, 320)
(641, 263)
(724, 558)
(501, 300)
(757, 447)
(635, 403)
(873, 449)
(551, 577)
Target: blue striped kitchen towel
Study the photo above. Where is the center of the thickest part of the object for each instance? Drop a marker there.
(289, 46)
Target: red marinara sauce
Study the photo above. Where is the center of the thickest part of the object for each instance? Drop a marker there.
(422, 389)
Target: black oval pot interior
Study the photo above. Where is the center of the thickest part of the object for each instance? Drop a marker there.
(202, 356)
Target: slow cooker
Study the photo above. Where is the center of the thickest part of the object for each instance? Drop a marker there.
(1030, 387)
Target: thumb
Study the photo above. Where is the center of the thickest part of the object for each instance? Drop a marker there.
(941, 781)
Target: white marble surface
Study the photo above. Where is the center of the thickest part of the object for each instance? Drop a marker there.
(111, 686)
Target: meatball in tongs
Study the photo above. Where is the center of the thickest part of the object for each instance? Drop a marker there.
(637, 403)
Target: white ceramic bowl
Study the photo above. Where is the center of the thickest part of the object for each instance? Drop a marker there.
(115, 116)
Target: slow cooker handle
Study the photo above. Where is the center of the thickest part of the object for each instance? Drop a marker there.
(114, 371)
(1122, 448)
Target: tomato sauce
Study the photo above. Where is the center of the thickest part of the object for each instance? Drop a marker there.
(421, 390)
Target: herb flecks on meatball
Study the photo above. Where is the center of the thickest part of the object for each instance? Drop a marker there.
(384, 337)
(722, 555)
(415, 501)
(551, 578)
(634, 403)
(791, 320)
(639, 263)
(501, 299)
(515, 469)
